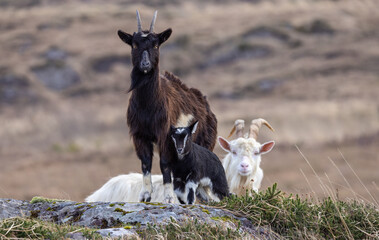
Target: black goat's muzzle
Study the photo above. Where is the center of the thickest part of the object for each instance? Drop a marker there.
(145, 64)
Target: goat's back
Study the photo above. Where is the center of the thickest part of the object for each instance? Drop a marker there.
(126, 188)
(184, 100)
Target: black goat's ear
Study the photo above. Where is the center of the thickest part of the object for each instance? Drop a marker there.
(193, 127)
(125, 37)
(163, 36)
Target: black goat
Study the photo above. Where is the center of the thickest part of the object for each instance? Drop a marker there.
(196, 170)
(159, 101)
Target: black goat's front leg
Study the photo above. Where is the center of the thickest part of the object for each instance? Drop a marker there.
(165, 165)
(144, 151)
(190, 190)
(186, 191)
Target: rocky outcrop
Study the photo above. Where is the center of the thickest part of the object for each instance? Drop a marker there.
(111, 218)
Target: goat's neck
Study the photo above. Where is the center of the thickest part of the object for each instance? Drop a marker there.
(148, 94)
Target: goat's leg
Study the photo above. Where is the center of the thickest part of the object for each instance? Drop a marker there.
(167, 182)
(220, 188)
(190, 191)
(186, 193)
(179, 190)
(203, 194)
(144, 151)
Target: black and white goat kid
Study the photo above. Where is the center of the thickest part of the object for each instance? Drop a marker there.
(196, 170)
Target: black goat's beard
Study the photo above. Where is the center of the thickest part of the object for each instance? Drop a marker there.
(139, 78)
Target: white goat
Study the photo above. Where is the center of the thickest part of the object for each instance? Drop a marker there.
(126, 188)
(242, 163)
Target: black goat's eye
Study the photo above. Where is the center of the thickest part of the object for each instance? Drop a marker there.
(156, 46)
(134, 46)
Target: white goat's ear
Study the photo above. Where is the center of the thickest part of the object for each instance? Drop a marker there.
(224, 144)
(266, 147)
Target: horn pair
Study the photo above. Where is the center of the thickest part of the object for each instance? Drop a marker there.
(255, 126)
(151, 25)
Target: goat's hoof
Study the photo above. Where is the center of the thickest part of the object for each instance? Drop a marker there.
(169, 199)
(145, 197)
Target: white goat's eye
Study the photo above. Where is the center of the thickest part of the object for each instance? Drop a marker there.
(256, 153)
(234, 152)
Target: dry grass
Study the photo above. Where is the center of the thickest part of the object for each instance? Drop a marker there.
(319, 91)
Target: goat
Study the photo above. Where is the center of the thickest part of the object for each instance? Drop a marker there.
(242, 163)
(157, 102)
(196, 170)
(125, 188)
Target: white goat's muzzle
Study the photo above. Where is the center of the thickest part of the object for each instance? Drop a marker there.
(244, 168)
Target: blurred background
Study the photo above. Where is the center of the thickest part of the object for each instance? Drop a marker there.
(311, 68)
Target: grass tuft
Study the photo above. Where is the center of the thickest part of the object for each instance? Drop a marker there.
(24, 228)
(189, 230)
(293, 217)
(39, 199)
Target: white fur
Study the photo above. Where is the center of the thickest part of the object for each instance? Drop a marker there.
(126, 188)
(169, 196)
(146, 189)
(183, 120)
(243, 151)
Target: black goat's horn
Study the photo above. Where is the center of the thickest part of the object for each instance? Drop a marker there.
(153, 22)
(139, 22)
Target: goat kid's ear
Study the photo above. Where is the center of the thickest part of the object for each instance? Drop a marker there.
(224, 144)
(193, 127)
(163, 36)
(266, 147)
(125, 37)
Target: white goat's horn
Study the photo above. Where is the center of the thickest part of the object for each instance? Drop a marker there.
(139, 22)
(153, 22)
(256, 125)
(239, 125)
